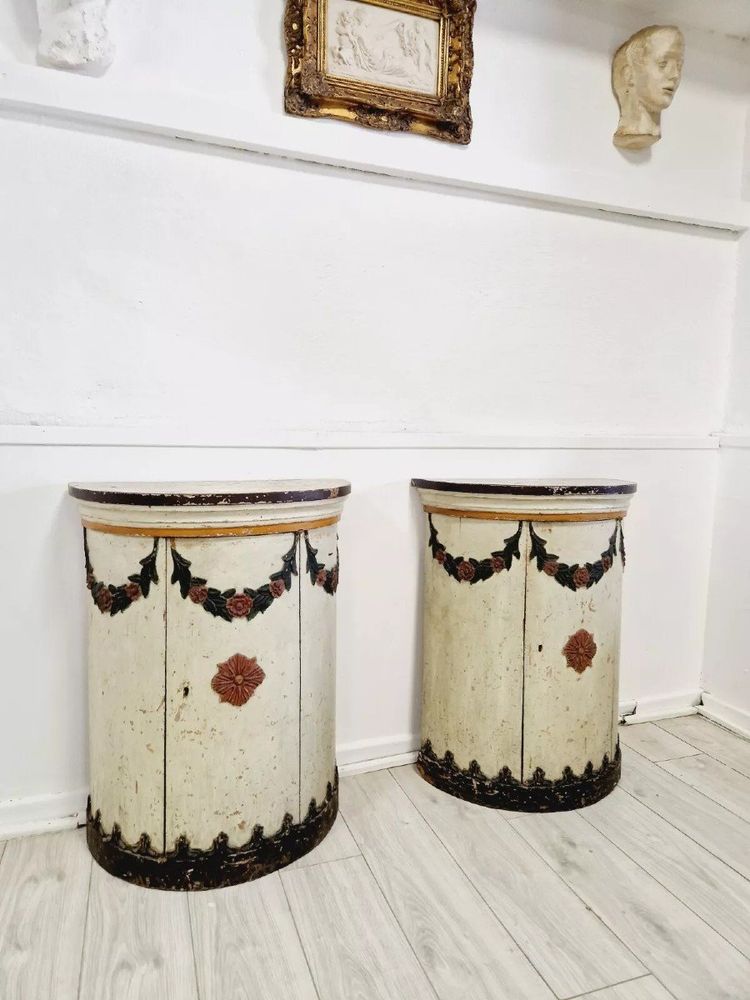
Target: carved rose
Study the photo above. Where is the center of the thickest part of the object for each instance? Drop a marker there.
(440, 555)
(465, 570)
(237, 679)
(551, 567)
(103, 598)
(580, 650)
(277, 587)
(198, 595)
(321, 578)
(90, 580)
(133, 590)
(335, 579)
(498, 564)
(606, 563)
(581, 576)
(239, 605)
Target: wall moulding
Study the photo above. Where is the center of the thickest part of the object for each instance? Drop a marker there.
(100, 104)
(150, 437)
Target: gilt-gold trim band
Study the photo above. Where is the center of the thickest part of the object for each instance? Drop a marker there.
(209, 531)
(526, 515)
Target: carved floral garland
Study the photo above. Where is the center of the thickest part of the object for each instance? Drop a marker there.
(110, 598)
(328, 579)
(576, 576)
(470, 570)
(229, 604)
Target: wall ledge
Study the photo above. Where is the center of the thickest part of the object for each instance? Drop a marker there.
(38, 91)
(737, 720)
(303, 440)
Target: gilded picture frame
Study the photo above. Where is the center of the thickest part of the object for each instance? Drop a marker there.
(396, 65)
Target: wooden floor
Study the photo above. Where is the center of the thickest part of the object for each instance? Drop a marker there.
(417, 896)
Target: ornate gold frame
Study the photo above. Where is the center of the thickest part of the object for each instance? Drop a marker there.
(312, 93)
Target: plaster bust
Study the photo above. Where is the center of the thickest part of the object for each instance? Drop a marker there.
(74, 34)
(646, 72)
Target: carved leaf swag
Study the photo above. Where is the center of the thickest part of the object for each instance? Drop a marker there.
(231, 604)
(470, 570)
(111, 598)
(576, 576)
(504, 791)
(186, 868)
(328, 579)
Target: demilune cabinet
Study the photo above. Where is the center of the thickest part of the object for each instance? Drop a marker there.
(521, 640)
(212, 656)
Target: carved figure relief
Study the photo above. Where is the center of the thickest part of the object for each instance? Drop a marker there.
(382, 46)
(74, 34)
(646, 72)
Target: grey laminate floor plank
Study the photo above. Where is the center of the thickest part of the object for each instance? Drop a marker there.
(712, 890)
(670, 940)
(714, 780)
(707, 737)
(246, 944)
(709, 824)
(647, 988)
(566, 942)
(462, 947)
(44, 883)
(138, 944)
(654, 743)
(339, 844)
(355, 947)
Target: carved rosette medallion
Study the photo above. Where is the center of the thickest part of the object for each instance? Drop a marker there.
(579, 651)
(237, 679)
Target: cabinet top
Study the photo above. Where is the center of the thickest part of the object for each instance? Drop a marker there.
(530, 487)
(211, 494)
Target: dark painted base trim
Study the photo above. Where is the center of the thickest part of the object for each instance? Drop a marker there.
(187, 869)
(572, 791)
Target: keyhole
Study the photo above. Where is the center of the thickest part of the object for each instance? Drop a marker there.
(540, 647)
(185, 691)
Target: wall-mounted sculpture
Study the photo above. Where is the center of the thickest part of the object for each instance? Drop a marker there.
(646, 72)
(74, 34)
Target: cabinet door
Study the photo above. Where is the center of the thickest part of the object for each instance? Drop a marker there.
(126, 688)
(232, 751)
(318, 660)
(473, 648)
(572, 653)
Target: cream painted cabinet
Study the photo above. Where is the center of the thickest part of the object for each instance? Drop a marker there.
(211, 676)
(521, 640)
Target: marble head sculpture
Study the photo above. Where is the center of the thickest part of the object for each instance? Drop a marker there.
(646, 72)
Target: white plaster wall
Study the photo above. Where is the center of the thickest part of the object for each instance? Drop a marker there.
(168, 287)
(169, 292)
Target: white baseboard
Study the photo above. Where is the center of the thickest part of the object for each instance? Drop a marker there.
(42, 814)
(670, 706)
(360, 753)
(735, 719)
(377, 764)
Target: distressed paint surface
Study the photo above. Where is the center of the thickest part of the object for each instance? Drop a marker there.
(318, 673)
(570, 718)
(232, 767)
(473, 650)
(126, 693)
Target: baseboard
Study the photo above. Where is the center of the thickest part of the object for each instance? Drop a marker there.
(670, 706)
(42, 814)
(735, 719)
(362, 756)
